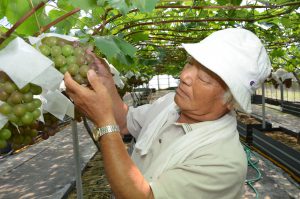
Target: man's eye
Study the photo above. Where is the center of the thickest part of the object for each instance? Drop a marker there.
(204, 80)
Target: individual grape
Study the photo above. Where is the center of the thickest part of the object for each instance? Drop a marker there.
(9, 87)
(80, 60)
(45, 49)
(83, 70)
(3, 95)
(27, 140)
(5, 109)
(27, 118)
(18, 139)
(5, 134)
(16, 97)
(60, 61)
(35, 89)
(78, 51)
(30, 106)
(89, 58)
(33, 133)
(3, 144)
(25, 89)
(50, 41)
(19, 110)
(36, 114)
(71, 60)
(73, 69)
(51, 132)
(79, 79)
(37, 103)
(67, 50)
(45, 136)
(27, 97)
(63, 69)
(3, 77)
(55, 51)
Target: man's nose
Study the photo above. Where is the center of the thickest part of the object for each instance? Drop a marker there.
(186, 75)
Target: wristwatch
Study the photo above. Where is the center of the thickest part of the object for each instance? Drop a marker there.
(99, 132)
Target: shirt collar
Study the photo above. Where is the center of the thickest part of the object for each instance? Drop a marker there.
(186, 127)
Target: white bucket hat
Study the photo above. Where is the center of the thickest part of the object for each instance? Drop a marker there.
(238, 57)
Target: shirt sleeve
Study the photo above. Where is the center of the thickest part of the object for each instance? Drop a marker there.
(192, 181)
(136, 119)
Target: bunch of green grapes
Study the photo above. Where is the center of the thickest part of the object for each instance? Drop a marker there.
(50, 126)
(23, 135)
(18, 104)
(67, 56)
(21, 109)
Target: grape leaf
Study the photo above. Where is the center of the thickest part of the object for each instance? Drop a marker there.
(139, 37)
(107, 46)
(125, 47)
(16, 9)
(64, 26)
(65, 5)
(120, 5)
(115, 49)
(101, 2)
(233, 2)
(3, 6)
(222, 2)
(145, 5)
(84, 4)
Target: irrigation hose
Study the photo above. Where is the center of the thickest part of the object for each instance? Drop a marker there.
(252, 162)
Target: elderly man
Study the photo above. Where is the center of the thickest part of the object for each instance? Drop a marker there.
(187, 143)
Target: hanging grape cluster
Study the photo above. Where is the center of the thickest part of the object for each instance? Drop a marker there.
(67, 56)
(50, 126)
(21, 109)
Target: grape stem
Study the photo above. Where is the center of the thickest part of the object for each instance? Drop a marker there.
(46, 27)
(20, 21)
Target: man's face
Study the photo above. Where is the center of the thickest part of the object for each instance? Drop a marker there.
(200, 93)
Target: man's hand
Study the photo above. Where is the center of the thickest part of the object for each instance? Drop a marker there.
(95, 103)
(101, 68)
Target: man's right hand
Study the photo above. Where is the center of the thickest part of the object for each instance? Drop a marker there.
(102, 69)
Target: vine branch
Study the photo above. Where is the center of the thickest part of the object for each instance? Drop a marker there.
(46, 27)
(184, 20)
(20, 21)
(199, 8)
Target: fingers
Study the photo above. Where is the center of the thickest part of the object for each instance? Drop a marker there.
(94, 81)
(71, 85)
(98, 61)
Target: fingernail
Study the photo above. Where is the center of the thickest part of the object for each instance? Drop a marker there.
(91, 73)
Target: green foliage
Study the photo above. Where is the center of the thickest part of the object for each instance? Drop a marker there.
(115, 48)
(144, 5)
(64, 26)
(233, 2)
(83, 4)
(121, 5)
(3, 6)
